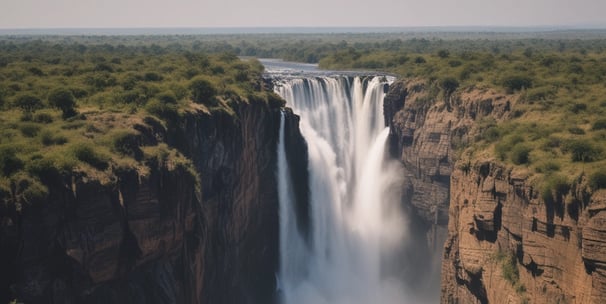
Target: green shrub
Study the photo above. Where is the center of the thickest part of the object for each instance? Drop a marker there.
(202, 90)
(548, 167)
(9, 162)
(167, 97)
(501, 150)
(540, 93)
(43, 117)
(517, 82)
(582, 151)
(576, 131)
(598, 180)
(164, 111)
(578, 107)
(152, 76)
(86, 153)
(491, 134)
(64, 100)
(510, 270)
(520, 154)
(49, 138)
(275, 101)
(132, 96)
(504, 146)
(45, 168)
(599, 124)
(29, 129)
(28, 103)
(449, 85)
(28, 190)
(127, 143)
(551, 143)
(33, 192)
(79, 92)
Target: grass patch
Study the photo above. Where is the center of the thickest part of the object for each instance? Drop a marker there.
(509, 270)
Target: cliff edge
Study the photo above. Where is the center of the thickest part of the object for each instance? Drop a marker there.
(507, 241)
(196, 222)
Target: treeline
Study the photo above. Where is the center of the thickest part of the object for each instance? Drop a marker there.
(311, 48)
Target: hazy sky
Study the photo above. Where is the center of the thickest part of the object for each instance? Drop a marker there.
(318, 13)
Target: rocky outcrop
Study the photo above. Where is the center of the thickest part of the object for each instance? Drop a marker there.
(122, 240)
(426, 129)
(160, 234)
(236, 158)
(556, 256)
(505, 244)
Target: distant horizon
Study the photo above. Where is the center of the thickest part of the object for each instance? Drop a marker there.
(290, 29)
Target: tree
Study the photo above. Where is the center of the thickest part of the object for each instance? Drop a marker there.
(449, 85)
(28, 103)
(202, 90)
(64, 100)
(443, 53)
(517, 82)
(583, 151)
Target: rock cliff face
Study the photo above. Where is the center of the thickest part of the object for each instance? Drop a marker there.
(425, 129)
(151, 237)
(507, 245)
(504, 243)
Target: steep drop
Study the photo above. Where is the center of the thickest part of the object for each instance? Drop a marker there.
(356, 225)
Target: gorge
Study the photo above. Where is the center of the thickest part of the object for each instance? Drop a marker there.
(351, 226)
(349, 244)
(348, 193)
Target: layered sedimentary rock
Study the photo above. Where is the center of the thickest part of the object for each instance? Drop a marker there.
(425, 131)
(159, 234)
(505, 244)
(556, 247)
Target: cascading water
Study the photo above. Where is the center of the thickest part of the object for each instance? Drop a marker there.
(355, 221)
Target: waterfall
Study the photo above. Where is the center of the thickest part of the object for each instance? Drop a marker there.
(355, 220)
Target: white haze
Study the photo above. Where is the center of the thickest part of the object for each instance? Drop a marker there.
(309, 13)
(356, 222)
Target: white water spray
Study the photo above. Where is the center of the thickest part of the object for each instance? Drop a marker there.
(354, 198)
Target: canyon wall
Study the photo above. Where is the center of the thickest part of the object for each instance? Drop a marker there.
(507, 245)
(159, 234)
(424, 132)
(504, 243)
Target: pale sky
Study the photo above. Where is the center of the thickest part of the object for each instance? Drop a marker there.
(295, 13)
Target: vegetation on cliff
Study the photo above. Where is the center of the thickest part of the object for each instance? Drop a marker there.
(556, 128)
(68, 106)
(64, 100)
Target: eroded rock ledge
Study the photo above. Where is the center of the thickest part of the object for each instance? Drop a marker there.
(558, 248)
